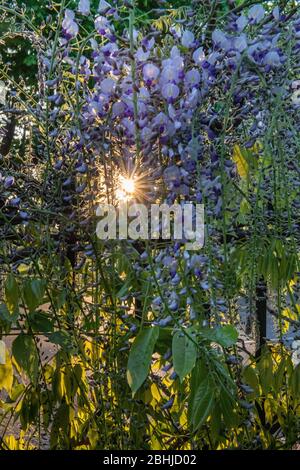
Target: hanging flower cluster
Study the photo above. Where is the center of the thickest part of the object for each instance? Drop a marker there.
(170, 110)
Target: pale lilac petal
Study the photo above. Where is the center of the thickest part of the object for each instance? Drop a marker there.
(276, 13)
(84, 7)
(103, 6)
(169, 74)
(199, 56)
(150, 72)
(102, 25)
(118, 109)
(69, 25)
(220, 39)
(192, 78)
(241, 22)
(187, 39)
(170, 91)
(141, 55)
(272, 59)
(240, 42)
(108, 85)
(256, 13)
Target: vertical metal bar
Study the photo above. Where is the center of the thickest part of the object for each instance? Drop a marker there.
(261, 316)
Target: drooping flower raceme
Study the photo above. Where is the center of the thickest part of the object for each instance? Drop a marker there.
(169, 111)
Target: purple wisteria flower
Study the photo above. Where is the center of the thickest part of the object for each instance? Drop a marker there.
(276, 13)
(240, 43)
(241, 23)
(150, 73)
(104, 7)
(15, 201)
(118, 109)
(84, 7)
(192, 78)
(170, 92)
(170, 107)
(187, 39)
(220, 39)
(108, 86)
(148, 43)
(170, 73)
(199, 56)
(146, 134)
(142, 55)
(69, 26)
(256, 13)
(8, 182)
(272, 59)
(102, 25)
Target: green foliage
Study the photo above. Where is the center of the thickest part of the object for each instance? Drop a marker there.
(225, 336)
(202, 396)
(140, 357)
(25, 353)
(189, 386)
(184, 350)
(33, 293)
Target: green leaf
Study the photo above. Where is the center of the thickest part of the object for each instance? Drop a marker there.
(40, 322)
(4, 313)
(61, 420)
(164, 341)
(226, 335)
(250, 378)
(282, 372)
(11, 292)
(184, 353)
(59, 298)
(215, 423)
(63, 339)
(16, 392)
(33, 293)
(201, 399)
(265, 370)
(25, 353)
(295, 383)
(140, 357)
(29, 408)
(6, 316)
(227, 404)
(30, 60)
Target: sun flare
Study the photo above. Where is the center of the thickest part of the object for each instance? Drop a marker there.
(126, 188)
(127, 185)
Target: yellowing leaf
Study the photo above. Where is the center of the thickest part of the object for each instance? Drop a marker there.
(241, 163)
(288, 314)
(6, 374)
